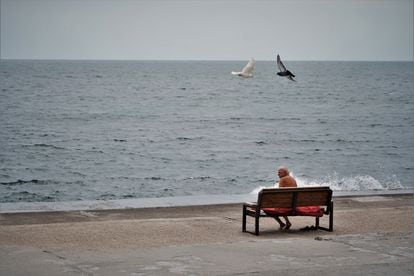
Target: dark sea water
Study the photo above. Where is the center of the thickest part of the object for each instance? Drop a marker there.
(85, 130)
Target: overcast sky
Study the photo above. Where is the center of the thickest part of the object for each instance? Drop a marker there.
(207, 29)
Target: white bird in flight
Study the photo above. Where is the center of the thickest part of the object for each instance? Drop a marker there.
(247, 71)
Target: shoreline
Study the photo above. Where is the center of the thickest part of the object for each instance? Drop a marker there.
(178, 201)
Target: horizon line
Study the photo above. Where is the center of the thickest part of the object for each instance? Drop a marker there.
(204, 60)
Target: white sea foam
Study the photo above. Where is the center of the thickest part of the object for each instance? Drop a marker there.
(258, 189)
(353, 183)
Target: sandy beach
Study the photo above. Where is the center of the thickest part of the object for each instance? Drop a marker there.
(372, 234)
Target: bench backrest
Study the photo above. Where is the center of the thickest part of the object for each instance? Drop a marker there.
(294, 197)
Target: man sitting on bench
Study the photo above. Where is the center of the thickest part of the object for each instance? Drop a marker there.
(285, 181)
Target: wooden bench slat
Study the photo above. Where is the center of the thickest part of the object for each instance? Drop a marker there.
(311, 198)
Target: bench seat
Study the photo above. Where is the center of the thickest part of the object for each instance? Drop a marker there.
(311, 211)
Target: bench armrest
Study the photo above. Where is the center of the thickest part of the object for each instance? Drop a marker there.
(250, 205)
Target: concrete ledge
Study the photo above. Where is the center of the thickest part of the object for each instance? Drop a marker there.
(22, 207)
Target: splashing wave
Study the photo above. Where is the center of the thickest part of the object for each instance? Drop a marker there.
(354, 183)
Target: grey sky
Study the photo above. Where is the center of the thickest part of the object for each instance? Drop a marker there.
(207, 29)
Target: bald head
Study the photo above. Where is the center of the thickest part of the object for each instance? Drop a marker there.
(282, 171)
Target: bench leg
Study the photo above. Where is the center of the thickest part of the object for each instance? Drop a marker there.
(331, 218)
(330, 228)
(317, 222)
(256, 223)
(244, 219)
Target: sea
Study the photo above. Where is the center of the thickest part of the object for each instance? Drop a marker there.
(111, 130)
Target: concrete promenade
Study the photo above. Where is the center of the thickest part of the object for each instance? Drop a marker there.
(373, 235)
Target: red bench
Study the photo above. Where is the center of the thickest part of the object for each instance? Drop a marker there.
(301, 201)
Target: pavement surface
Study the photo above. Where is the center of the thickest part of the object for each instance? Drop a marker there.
(373, 235)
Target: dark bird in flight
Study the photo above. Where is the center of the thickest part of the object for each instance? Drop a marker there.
(283, 71)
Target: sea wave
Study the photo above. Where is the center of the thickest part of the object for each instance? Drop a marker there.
(353, 183)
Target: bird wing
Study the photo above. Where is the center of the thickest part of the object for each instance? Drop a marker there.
(248, 69)
(291, 78)
(280, 64)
